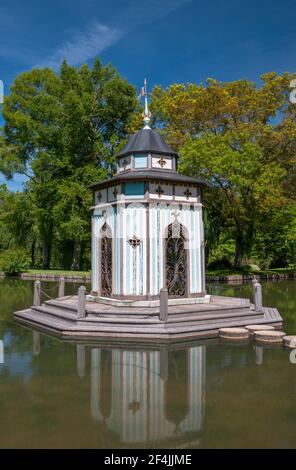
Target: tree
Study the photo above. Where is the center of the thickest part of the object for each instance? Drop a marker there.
(242, 184)
(276, 247)
(17, 222)
(234, 136)
(63, 129)
(75, 200)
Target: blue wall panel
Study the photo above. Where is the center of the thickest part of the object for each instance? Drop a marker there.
(134, 189)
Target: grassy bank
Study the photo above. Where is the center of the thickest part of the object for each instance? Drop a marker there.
(57, 272)
(245, 272)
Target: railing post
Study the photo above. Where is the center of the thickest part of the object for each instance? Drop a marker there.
(163, 304)
(61, 287)
(258, 297)
(254, 281)
(37, 294)
(81, 302)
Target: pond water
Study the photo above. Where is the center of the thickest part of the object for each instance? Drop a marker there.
(199, 395)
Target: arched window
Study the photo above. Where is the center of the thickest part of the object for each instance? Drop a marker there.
(106, 261)
(176, 260)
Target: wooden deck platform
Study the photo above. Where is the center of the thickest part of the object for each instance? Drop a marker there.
(59, 317)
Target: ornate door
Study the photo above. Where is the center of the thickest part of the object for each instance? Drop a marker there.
(106, 261)
(176, 261)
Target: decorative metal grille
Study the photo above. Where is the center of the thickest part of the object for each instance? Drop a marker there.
(106, 261)
(134, 241)
(188, 193)
(159, 191)
(162, 162)
(176, 260)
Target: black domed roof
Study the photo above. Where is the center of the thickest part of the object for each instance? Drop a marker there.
(146, 140)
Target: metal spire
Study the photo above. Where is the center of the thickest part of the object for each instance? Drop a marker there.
(146, 114)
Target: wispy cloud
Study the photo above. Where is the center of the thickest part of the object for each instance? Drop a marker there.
(84, 45)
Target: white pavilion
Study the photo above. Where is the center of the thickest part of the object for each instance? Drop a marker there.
(147, 225)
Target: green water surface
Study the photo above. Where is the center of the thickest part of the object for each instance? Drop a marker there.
(199, 395)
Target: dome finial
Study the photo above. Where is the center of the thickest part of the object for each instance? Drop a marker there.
(146, 113)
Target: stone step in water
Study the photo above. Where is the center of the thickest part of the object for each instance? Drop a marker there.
(253, 328)
(234, 334)
(270, 337)
(290, 341)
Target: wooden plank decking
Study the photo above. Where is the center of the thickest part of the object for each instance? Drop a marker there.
(59, 316)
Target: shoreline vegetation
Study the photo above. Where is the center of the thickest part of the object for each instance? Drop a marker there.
(55, 275)
(228, 276)
(212, 275)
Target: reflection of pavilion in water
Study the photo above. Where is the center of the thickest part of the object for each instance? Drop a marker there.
(146, 396)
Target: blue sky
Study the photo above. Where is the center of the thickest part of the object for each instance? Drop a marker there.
(166, 40)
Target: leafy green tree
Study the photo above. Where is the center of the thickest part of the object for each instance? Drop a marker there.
(276, 247)
(242, 184)
(13, 262)
(64, 128)
(17, 222)
(75, 200)
(235, 136)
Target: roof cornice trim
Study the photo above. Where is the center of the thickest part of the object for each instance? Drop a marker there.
(165, 178)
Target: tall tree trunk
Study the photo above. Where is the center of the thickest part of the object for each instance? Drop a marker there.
(76, 256)
(238, 251)
(45, 263)
(33, 253)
